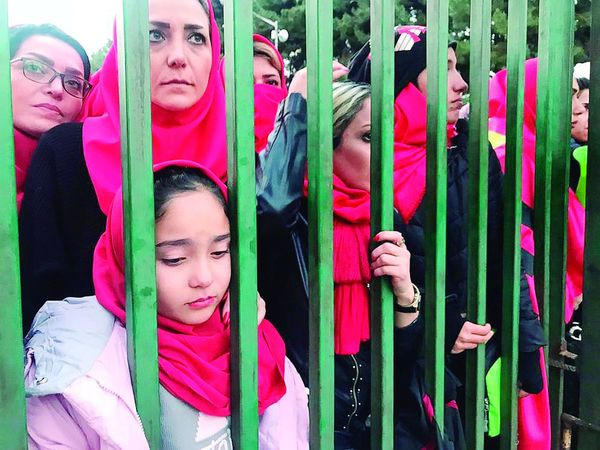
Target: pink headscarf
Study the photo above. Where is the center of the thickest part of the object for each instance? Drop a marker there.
(266, 99)
(24, 148)
(576, 212)
(194, 361)
(196, 134)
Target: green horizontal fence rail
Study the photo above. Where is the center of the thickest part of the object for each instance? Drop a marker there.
(590, 363)
(138, 212)
(382, 204)
(242, 200)
(478, 154)
(436, 186)
(13, 432)
(319, 52)
(517, 33)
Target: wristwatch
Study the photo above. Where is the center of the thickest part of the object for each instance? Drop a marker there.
(414, 306)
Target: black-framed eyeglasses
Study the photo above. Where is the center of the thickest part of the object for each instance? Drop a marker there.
(43, 73)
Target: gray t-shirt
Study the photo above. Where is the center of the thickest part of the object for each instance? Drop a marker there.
(185, 428)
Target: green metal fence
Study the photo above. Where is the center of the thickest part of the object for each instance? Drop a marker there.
(555, 52)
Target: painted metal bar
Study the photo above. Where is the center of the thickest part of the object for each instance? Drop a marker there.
(436, 187)
(13, 430)
(138, 212)
(382, 218)
(517, 36)
(557, 59)
(481, 26)
(319, 48)
(242, 200)
(589, 407)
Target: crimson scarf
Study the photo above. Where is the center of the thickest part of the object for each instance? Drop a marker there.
(24, 148)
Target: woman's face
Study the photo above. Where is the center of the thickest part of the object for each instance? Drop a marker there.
(265, 73)
(457, 86)
(38, 107)
(180, 53)
(580, 113)
(352, 157)
(193, 265)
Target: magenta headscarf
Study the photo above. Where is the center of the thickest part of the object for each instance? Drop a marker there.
(194, 361)
(576, 213)
(266, 99)
(197, 134)
(534, 410)
(24, 149)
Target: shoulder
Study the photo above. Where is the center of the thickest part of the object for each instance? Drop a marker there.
(65, 340)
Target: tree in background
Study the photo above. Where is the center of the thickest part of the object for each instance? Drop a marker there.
(351, 27)
(98, 56)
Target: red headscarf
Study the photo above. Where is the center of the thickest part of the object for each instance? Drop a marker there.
(194, 361)
(196, 134)
(410, 150)
(266, 99)
(576, 212)
(24, 148)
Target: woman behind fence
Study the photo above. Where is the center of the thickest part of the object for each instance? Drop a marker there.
(579, 136)
(77, 375)
(49, 81)
(283, 253)
(77, 168)
(534, 418)
(410, 123)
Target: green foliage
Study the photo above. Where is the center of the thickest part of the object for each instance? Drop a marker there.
(351, 27)
(98, 56)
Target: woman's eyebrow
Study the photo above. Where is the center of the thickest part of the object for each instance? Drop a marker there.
(159, 24)
(174, 243)
(42, 58)
(191, 26)
(222, 237)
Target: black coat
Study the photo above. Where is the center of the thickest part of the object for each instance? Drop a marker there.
(60, 222)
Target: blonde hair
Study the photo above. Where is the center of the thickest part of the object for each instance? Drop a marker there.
(266, 51)
(348, 100)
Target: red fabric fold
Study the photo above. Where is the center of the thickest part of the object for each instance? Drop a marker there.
(194, 360)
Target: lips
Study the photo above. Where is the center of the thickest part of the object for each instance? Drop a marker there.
(50, 107)
(202, 302)
(176, 82)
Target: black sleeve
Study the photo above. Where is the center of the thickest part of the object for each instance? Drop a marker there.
(531, 334)
(408, 342)
(282, 166)
(43, 255)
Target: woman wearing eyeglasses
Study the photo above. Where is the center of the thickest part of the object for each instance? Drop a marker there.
(77, 167)
(49, 78)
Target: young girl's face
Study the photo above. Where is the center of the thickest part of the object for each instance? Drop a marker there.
(193, 265)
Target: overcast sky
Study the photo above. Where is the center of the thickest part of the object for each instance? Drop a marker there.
(89, 21)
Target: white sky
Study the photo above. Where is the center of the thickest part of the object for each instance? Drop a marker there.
(88, 21)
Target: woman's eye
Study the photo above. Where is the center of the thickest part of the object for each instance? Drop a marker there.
(172, 261)
(34, 67)
(156, 36)
(366, 137)
(73, 83)
(197, 38)
(273, 83)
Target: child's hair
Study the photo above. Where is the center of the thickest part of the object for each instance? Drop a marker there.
(20, 33)
(174, 180)
(348, 99)
(583, 83)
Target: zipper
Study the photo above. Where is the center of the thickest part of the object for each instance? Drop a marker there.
(353, 392)
(134, 411)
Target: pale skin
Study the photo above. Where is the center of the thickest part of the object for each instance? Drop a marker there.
(265, 73)
(391, 258)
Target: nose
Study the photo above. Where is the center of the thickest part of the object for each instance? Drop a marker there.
(54, 88)
(578, 107)
(201, 276)
(459, 83)
(176, 57)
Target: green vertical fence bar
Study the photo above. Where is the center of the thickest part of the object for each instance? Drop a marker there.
(138, 212)
(382, 218)
(241, 175)
(517, 35)
(319, 49)
(436, 186)
(589, 361)
(13, 431)
(554, 85)
(480, 40)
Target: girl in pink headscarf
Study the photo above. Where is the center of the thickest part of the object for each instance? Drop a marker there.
(79, 167)
(534, 413)
(83, 405)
